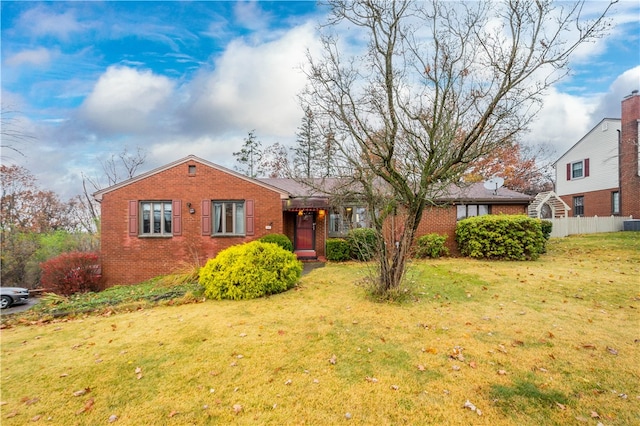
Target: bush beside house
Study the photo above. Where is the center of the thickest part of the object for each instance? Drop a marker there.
(432, 246)
(509, 237)
(338, 250)
(250, 270)
(279, 239)
(72, 272)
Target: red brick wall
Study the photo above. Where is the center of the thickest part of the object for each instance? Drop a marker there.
(443, 220)
(629, 179)
(130, 259)
(596, 203)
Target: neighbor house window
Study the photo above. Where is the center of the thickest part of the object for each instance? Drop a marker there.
(578, 169)
(343, 219)
(578, 206)
(156, 217)
(228, 218)
(470, 210)
(615, 202)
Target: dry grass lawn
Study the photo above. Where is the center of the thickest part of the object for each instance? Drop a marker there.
(555, 341)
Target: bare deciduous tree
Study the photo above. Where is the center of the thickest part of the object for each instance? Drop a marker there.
(437, 85)
(116, 168)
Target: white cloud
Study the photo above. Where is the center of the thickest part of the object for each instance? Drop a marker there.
(42, 21)
(39, 56)
(562, 121)
(609, 104)
(126, 99)
(253, 87)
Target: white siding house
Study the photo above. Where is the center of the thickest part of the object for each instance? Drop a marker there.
(592, 163)
(587, 175)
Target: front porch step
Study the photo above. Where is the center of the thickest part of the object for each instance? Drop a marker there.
(306, 254)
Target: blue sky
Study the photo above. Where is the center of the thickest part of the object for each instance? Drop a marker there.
(88, 79)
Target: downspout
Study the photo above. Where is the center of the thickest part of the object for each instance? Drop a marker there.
(620, 171)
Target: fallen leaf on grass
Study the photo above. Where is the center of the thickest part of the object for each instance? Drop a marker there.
(371, 379)
(11, 414)
(468, 404)
(113, 418)
(173, 413)
(88, 406)
(612, 351)
(29, 401)
(36, 418)
(502, 372)
(595, 415)
(82, 392)
(138, 372)
(333, 359)
(237, 408)
(472, 364)
(561, 406)
(395, 387)
(589, 346)
(421, 367)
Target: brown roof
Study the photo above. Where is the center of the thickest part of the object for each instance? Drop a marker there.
(477, 193)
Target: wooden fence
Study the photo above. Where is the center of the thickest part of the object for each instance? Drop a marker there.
(587, 225)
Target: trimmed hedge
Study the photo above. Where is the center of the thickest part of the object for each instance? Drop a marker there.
(431, 245)
(510, 237)
(338, 250)
(279, 239)
(250, 270)
(362, 243)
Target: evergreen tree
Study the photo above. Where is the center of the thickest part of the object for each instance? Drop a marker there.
(249, 158)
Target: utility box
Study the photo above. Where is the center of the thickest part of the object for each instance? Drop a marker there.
(631, 225)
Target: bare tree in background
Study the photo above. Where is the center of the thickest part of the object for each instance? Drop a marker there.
(438, 85)
(12, 134)
(116, 168)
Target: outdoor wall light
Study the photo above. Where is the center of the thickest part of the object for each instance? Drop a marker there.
(320, 214)
(300, 213)
(191, 209)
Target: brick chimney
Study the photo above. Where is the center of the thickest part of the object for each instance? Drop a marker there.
(630, 156)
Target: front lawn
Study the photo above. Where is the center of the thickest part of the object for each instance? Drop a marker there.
(554, 341)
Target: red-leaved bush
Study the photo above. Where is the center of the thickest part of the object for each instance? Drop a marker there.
(73, 272)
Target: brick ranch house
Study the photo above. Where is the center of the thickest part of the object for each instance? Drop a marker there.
(187, 211)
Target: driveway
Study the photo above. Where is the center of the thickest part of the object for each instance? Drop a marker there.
(19, 308)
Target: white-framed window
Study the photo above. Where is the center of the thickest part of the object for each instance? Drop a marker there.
(228, 218)
(469, 210)
(156, 218)
(615, 202)
(577, 170)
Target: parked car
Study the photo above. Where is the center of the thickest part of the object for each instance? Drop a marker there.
(10, 296)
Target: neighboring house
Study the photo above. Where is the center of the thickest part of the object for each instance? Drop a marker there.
(598, 176)
(587, 174)
(185, 212)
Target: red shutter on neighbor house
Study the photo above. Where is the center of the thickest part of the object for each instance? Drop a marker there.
(568, 171)
(586, 167)
(249, 217)
(206, 217)
(133, 218)
(177, 217)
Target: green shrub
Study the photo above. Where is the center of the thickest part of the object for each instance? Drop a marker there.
(250, 270)
(547, 227)
(338, 250)
(362, 243)
(431, 245)
(279, 239)
(511, 237)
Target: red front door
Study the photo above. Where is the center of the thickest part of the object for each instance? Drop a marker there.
(305, 231)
